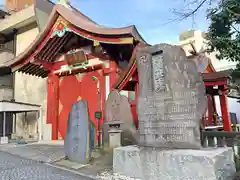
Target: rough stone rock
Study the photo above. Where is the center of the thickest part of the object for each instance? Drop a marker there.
(117, 108)
(171, 99)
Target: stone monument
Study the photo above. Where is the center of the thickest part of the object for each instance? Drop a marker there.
(77, 139)
(170, 106)
(171, 98)
(118, 112)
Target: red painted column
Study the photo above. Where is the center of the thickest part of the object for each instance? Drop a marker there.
(134, 103)
(103, 101)
(135, 78)
(210, 110)
(113, 74)
(214, 108)
(225, 113)
(53, 103)
(103, 93)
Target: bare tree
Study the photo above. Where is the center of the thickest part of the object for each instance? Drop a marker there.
(191, 7)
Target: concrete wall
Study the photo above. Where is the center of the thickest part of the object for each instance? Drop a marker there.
(43, 9)
(30, 89)
(5, 55)
(196, 40)
(6, 82)
(6, 87)
(233, 106)
(221, 65)
(18, 19)
(25, 37)
(200, 44)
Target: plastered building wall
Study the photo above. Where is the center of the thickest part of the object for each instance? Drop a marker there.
(198, 40)
(30, 89)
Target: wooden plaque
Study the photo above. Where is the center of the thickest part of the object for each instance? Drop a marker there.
(76, 57)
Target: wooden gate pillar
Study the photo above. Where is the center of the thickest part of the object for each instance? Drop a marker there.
(225, 113)
(53, 103)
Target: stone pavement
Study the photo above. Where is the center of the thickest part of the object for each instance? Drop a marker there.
(16, 168)
(52, 154)
(47, 153)
(101, 162)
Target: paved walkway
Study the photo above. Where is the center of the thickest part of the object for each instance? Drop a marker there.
(16, 168)
(38, 152)
(52, 154)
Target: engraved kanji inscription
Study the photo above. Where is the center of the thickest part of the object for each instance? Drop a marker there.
(171, 98)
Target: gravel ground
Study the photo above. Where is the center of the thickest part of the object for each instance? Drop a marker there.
(16, 168)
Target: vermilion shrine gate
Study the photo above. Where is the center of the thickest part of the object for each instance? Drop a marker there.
(83, 60)
(57, 53)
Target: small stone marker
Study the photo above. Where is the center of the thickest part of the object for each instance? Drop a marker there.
(77, 140)
(117, 109)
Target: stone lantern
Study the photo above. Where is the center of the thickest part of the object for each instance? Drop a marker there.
(114, 133)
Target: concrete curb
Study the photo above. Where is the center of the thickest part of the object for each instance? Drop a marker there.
(56, 142)
(73, 171)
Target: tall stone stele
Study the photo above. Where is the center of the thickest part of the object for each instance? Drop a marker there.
(171, 98)
(77, 139)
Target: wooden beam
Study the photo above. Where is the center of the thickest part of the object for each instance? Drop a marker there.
(215, 83)
(128, 40)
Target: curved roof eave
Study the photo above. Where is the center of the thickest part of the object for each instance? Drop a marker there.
(79, 20)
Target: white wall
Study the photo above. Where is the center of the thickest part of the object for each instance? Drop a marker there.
(199, 42)
(25, 37)
(30, 89)
(220, 65)
(233, 106)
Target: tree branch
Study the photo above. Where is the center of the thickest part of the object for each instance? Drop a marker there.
(235, 28)
(196, 9)
(192, 11)
(231, 11)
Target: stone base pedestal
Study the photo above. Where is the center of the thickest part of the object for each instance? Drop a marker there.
(182, 164)
(114, 138)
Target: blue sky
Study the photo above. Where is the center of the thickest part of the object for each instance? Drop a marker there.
(150, 16)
